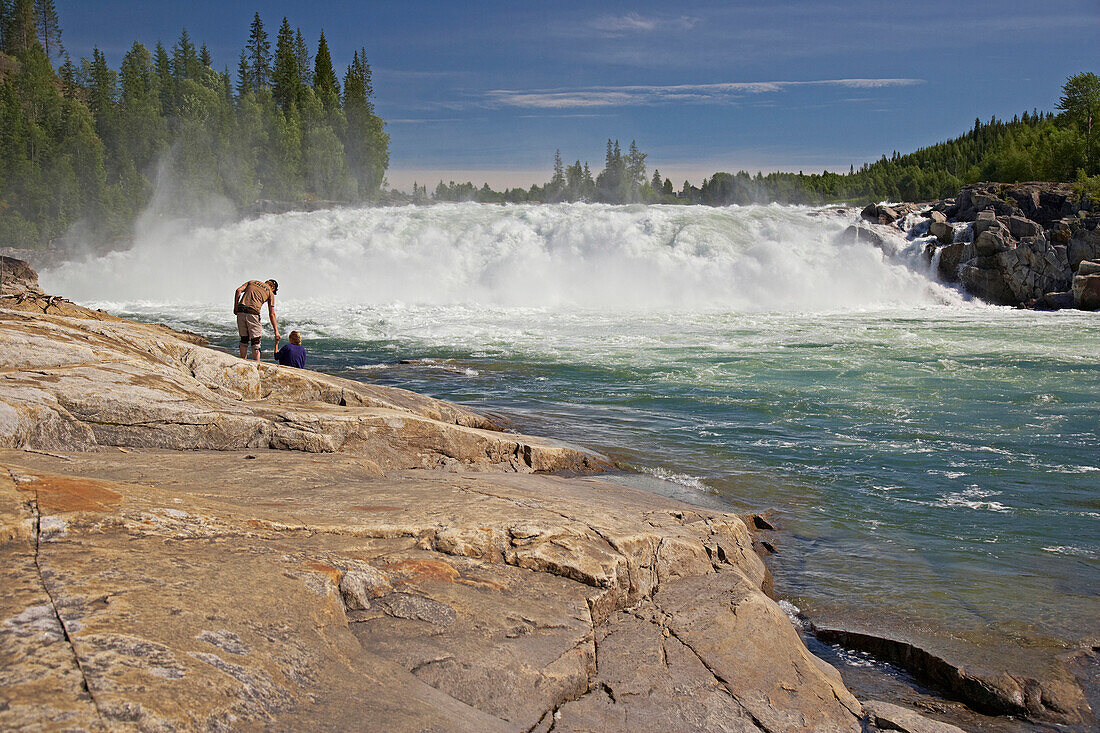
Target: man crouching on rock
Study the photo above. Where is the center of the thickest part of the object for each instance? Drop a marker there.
(246, 304)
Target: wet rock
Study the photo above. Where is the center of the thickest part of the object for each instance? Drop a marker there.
(937, 216)
(879, 213)
(942, 231)
(887, 716)
(1053, 301)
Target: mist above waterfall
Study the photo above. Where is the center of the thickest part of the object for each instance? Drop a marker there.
(675, 258)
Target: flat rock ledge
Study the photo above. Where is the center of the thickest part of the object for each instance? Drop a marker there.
(78, 383)
(212, 590)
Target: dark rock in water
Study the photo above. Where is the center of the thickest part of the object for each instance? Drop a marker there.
(856, 233)
(951, 257)
(1053, 301)
(886, 716)
(1020, 227)
(1058, 699)
(879, 213)
(1086, 286)
(942, 231)
(987, 283)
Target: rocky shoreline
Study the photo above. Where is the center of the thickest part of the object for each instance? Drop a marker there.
(195, 542)
(1030, 245)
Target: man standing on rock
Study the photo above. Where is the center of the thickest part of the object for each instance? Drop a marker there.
(246, 304)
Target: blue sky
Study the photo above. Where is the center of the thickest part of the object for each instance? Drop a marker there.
(487, 91)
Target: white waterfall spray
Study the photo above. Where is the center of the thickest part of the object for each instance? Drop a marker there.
(673, 258)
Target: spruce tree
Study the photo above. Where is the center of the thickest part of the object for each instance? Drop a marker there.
(258, 49)
(49, 29)
(204, 58)
(324, 77)
(244, 75)
(21, 33)
(185, 61)
(285, 79)
(166, 83)
(301, 52)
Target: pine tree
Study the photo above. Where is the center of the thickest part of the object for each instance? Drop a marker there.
(49, 30)
(557, 182)
(21, 33)
(204, 58)
(324, 77)
(285, 79)
(166, 83)
(185, 61)
(244, 75)
(301, 52)
(366, 141)
(67, 72)
(258, 49)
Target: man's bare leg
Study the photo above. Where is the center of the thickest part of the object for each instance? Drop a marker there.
(256, 353)
(244, 351)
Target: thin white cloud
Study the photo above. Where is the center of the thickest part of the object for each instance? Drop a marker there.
(634, 23)
(649, 95)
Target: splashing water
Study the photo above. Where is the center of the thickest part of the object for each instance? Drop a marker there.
(757, 258)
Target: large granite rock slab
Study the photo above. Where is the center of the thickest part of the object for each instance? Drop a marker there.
(204, 590)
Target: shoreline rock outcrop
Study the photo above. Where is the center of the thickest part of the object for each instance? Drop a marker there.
(1017, 244)
(190, 541)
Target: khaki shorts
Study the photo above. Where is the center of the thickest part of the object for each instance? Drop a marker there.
(248, 326)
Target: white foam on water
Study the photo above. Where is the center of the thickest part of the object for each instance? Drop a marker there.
(642, 258)
(682, 479)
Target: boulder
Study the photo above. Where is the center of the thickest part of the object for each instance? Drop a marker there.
(988, 243)
(1085, 245)
(974, 199)
(1061, 232)
(988, 283)
(879, 213)
(1053, 301)
(1088, 268)
(951, 257)
(1086, 288)
(937, 216)
(942, 231)
(17, 278)
(1020, 227)
(985, 221)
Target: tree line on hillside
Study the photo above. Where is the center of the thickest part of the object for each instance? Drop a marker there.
(1033, 146)
(84, 145)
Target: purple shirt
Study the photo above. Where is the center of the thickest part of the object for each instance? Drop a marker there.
(292, 355)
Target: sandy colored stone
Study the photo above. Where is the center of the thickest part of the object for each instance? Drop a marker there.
(69, 383)
(202, 589)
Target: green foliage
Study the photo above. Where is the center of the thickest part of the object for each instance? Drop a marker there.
(83, 146)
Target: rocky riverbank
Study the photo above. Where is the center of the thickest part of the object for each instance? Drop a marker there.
(191, 541)
(1032, 245)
